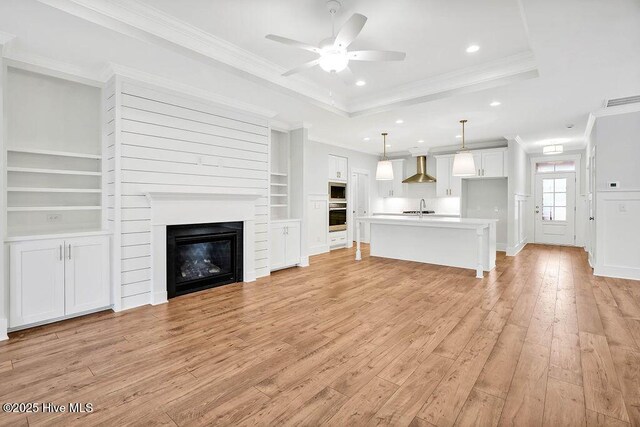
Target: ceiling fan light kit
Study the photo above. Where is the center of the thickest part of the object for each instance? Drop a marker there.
(463, 162)
(333, 56)
(384, 171)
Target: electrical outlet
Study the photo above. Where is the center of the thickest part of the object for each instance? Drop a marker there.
(54, 217)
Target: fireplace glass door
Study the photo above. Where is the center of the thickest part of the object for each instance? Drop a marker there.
(197, 259)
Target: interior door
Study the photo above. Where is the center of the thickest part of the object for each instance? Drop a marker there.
(592, 207)
(555, 199)
(86, 274)
(36, 281)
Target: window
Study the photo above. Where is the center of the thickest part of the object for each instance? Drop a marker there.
(557, 166)
(554, 199)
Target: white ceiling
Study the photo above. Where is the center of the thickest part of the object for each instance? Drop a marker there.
(585, 51)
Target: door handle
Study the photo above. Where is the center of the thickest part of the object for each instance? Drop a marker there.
(591, 218)
(69, 250)
(60, 252)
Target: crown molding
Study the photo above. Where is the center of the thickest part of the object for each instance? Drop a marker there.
(614, 111)
(184, 89)
(144, 22)
(521, 66)
(149, 24)
(51, 67)
(5, 40)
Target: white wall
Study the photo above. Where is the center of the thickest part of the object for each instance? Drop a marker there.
(487, 198)
(519, 200)
(4, 254)
(617, 215)
(170, 142)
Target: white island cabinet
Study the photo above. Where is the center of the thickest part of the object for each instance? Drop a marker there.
(455, 242)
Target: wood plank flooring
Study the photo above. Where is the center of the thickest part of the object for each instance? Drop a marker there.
(539, 341)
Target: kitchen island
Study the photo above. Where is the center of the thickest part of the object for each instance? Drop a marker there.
(455, 242)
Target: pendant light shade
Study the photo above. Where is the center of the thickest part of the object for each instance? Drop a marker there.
(463, 162)
(384, 171)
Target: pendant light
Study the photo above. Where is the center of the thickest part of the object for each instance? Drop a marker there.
(463, 163)
(384, 172)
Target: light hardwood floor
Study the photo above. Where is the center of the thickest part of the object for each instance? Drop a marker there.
(540, 341)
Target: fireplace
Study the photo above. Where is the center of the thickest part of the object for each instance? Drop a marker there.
(201, 256)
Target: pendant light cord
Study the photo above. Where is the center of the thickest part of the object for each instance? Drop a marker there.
(384, 146)
(463, 122)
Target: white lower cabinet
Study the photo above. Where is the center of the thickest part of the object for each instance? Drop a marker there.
(285, 244)
(50, 279)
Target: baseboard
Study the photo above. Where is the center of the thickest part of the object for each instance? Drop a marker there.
(57, 319)
(3, 330)
(159, 298)
(501, 247)
(515, 250)
(249, 276)
(629, 273)
(317, 250)
(304, 261)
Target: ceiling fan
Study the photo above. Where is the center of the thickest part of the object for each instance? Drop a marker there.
(333, 56)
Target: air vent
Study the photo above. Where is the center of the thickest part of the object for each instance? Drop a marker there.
(623, 101)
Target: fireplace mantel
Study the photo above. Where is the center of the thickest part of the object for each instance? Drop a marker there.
(196, 206)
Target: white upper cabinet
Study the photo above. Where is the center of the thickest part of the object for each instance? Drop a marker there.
(447, 185)
(338, 168)
(395, 187)
(493, 164)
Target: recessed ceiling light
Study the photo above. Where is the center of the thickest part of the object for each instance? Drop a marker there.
(420, 141)
(366, 139)
(399, 121)
(361, 83)
(458, 136)
(473, 48)
(495, 103)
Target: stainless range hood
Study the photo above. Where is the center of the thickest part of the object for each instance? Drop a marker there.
(422, 175)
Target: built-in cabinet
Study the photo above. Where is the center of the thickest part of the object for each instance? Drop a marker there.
(394, 187)
(447, 185)
(490, 163)
(55, 278)
(285, 244)
(338, 168)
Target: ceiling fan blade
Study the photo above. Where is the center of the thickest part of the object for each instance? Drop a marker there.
(350, 30)
(293, 43)
(303, 67)
(376, 55)
(347, 76)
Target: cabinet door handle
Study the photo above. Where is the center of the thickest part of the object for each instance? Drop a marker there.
(69, 250)
(479, 173)
(60, 252)
(482, 171)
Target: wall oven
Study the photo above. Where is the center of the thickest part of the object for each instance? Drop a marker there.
(337, 216)
(338, 191)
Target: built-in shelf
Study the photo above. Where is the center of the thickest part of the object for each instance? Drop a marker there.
(52, 190)
(51, 208)
(53, 171)
(279, 206)
(278, 185)
(55, 153)
(278, 174)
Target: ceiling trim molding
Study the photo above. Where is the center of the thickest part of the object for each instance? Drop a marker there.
(149, 24)
(517, 67)
(183, 89)
(279, 125)
(619, 109)
(144, 22)
(51, 67)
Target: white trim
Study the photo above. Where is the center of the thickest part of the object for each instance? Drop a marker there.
(515, 250)
(144, 22)
(617, 110)
(50, 67)
(3, 329)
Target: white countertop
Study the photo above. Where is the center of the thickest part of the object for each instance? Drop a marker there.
(428, 221)
(408, 214)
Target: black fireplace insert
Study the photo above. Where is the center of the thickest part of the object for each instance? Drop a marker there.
(201, 256)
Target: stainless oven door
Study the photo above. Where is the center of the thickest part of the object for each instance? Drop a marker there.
(337, 219)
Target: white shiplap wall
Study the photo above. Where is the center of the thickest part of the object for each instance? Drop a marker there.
(168, 142)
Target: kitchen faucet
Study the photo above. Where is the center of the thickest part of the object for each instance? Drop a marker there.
(422, 202)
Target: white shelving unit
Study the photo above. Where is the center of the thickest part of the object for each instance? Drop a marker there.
(279, 176)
